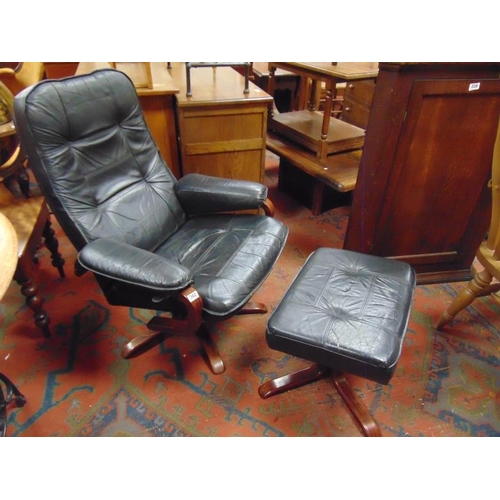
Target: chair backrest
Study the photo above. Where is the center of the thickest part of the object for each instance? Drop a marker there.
(29, 73)
(95, 160)
(24, 75)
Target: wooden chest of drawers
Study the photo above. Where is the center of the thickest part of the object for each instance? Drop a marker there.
(221, 130)
(358, 98)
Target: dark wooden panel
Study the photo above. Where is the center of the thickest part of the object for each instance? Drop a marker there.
(422, 195)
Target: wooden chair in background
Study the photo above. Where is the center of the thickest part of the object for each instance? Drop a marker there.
(485, 280)
(24, 75)
(8, 262)
(30, 218)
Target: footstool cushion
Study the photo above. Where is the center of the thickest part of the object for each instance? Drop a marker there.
(347, 311)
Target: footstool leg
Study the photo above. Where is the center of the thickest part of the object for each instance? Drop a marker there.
(292, 380)
(358, 410)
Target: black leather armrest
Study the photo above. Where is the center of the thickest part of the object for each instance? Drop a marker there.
(123, 262)
(202, 194)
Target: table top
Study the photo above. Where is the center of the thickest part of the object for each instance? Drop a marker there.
(215, 86)
(8, 253)
(340, 70)
(163, 83)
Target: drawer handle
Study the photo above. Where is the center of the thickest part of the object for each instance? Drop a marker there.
(347, 108)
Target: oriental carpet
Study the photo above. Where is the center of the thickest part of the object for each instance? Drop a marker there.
(76, 383)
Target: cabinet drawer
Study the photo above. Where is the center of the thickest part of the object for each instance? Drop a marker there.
(355, 113)
(360, 91)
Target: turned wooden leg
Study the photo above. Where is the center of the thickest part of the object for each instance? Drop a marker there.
(35, 303)
(292, 380)
(357, 409)
(474, 288)
(52, 244)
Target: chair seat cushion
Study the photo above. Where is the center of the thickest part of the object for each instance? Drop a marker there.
(229, 256)
(347, 311)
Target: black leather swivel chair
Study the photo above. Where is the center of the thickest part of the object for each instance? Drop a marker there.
(151, 241)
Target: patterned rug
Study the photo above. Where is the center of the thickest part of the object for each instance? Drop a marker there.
(76, 383)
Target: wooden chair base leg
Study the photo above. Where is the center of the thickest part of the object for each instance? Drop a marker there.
(358, 410)
(212, 354)
(143, 343)
(292, 380)
(253, 308)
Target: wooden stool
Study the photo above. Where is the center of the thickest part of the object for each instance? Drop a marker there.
(346, 312)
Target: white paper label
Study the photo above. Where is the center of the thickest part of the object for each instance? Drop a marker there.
(193, 296)
(474, 86)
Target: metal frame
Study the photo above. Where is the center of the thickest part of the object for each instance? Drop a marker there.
(190, 65)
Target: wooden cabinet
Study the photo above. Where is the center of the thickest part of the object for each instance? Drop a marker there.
(357, 102)
(58, 70)
(157, 104)
(221, 130)
(422, 192)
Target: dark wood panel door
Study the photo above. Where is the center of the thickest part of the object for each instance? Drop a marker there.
(433, 203)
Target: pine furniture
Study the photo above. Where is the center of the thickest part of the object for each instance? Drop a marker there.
(487, 272)
(317, 163)
(221, 128)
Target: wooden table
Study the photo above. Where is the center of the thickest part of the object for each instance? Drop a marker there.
(286, 86)
(310, 128)
(158, 106)
(8, 253)
(222, 130)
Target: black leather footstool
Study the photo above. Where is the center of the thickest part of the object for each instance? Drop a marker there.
(347, 312)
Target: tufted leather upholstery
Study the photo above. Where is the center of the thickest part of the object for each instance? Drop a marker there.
(145, 235)
(347, 311)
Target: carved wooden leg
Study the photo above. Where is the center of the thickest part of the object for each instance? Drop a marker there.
(465, 297)
(358, 410)
(292, 380)
(53, 245)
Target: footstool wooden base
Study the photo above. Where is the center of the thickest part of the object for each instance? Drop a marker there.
(347, 313)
